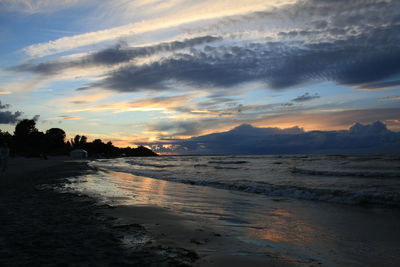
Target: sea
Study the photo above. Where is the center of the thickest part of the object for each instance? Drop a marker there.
(311, 210)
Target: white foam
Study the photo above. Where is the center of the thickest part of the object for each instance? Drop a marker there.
(338, 186)
(347, 173)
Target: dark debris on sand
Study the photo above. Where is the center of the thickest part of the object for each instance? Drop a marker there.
(43, 227)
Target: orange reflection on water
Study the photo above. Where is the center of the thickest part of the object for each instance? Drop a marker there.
(123, 177)
(273, 235)
(149, 191)
(285, 227)
(281, 213)
(278, 225)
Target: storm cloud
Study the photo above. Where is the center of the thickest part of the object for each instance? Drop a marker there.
(179, 128)
(8, 117)
(305, 97)
(353, 44)
(246, 139)
(114, 55)
(359, 60)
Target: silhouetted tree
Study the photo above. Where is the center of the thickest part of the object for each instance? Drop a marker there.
(55, 141)
(27, 139)
(69, 145)
(37, 143)
(25, 128)
(75, 141)
(96, 147)
(110, 149)
(78, 141)
(83, 140)
(5, 138)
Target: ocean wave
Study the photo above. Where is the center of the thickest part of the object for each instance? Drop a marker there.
(354, 188)
(200, 165)
(355, 197)
(227, 162)
(351, 196)
(151, 164)
(226, 168)
(291, 156)
(346, 173)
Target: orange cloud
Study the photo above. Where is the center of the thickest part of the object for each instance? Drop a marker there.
(80, 99)
(158, 103)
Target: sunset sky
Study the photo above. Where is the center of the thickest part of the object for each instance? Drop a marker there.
(147, 70)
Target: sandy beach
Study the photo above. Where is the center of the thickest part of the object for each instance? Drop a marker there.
(41, 226)
(60, 212)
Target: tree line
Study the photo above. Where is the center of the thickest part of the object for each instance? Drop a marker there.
(29, 141)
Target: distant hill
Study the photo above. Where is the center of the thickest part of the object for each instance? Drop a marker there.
(246, 139)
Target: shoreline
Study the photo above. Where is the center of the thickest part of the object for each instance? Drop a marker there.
(73, 213)
(44, 226)
(169, 229)
(291, 231)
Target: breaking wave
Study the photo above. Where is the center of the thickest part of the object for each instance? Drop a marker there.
(151, 164)
(353, 197)
(346, 173)
(324, 178)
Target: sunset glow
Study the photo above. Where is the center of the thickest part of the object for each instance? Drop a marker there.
(144, 71)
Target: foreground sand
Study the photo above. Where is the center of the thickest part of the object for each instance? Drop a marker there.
(42, 227)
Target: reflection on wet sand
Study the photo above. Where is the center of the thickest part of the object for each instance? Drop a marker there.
(285, 227)
(147, 191)
(305, 232)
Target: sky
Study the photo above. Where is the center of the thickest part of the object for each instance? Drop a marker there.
(145, 71)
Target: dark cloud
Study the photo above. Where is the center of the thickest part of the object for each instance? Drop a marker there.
(250, 111)
(215, 119)
(352, 43)
(239, 111)
(36, 118)
(343, 13)
(196, 70)
(215, 101)
(5, 106)
(317, 15)
(120, 54)
(305, 97)
(115, 55)
(367, 58)
(180, 128)
(246, 139)
(8, 117)
(270, 114)
(336, 119)
(320, 24)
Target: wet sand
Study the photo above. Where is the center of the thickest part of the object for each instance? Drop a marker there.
(230, 228)
(41, 226)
